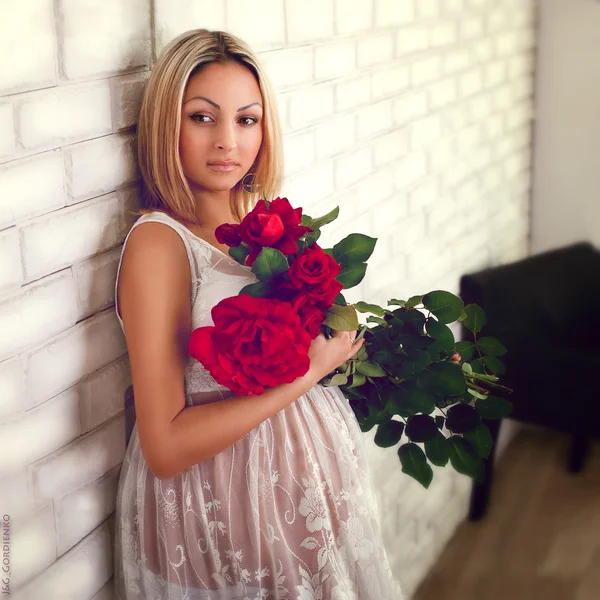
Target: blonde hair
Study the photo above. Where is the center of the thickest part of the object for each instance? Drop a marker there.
(164, 186)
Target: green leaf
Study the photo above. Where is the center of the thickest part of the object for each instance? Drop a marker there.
(370, 368)
(355, 247)
(491, 346)
(306, 221)
(268, 263)
(495, 365)
(481, 439)
(466, 349)
(339, 299)
(364, 307)
(493, 407)
(260, 289)
(414, 463)
(395, 302)
(462, 418)
(441, 333)
(338, 379)
(464, 458)
(389, 433)
(379, 320)
(325, 219)
(312, 237)
(341, 318)
(445, 306)
(408, 399)
(443, 378)
(357, 380)
(352, 274)
(239, 253)
(437, 450)
(413, 301)
(475, 319)
(421, 428)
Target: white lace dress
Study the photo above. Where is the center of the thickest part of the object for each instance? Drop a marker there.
(287, 512)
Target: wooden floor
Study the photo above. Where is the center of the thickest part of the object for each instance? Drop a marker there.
(540, 539)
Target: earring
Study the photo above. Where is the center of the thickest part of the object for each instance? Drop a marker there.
(249, 182)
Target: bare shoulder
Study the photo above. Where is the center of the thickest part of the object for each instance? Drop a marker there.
(154, 303)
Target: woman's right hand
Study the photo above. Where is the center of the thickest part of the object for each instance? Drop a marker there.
(328, 354)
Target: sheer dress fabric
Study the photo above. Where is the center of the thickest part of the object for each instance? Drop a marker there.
(286, 512)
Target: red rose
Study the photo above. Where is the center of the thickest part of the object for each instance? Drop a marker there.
(228, 234)
(311, 316)
(276, 227)
(313, 268)
(325, 295)
(254, 343)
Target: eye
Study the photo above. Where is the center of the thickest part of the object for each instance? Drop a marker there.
(199, 115)
(252, 119)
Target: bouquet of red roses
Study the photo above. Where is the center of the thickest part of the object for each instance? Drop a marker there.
(409, 366)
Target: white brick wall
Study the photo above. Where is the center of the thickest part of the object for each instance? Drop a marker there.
(412, 116)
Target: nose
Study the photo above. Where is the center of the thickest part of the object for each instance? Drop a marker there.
(225, 139)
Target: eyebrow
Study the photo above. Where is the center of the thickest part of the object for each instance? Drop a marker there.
(217, 106)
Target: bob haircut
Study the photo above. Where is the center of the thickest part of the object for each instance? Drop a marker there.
(164, 186)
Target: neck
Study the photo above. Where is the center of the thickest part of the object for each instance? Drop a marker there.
(212, 209)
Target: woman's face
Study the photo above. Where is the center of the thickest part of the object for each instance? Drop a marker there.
(221, 120)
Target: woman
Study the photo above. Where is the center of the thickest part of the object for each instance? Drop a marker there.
(222, 496)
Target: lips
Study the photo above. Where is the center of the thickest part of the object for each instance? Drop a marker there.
(222, 166)
(221, 163)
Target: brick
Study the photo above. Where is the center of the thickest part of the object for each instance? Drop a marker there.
(507, 43)
(299, 150)
(455, 61)
(102, 395)
(33, 546)
(263, 27)
(452, 6)
(107, 592)
(470, 83)
(99, 166)
(442, 93)
(334, 60)
(289, 67)
(80, 462)
(389, 147)
(317, 184)
(36, 312)
(425, 71)
(67, 358)
(424, 195)
(497, 20)
(335, 135)
(471, 28)
(428, 9)
(441, 153)
(310, 104)
(522, 64)
(63, 237)
(126, 96)
(12, 388)
(467, 139)
(30, 187)
(51, 118)
(352, 167)
(444, 211)
(494, 73)
(90, 560)
(173, 17)
(483, 50)
(480, 107)
(410, 230)
(393, 13)
(353, 92)
(410, 107)
(410, 169)
(443, 35)
(16, 499)
(375, 118)
(411, 39)
(424, 132)
(389, 82)
(7, 130)
(354, 19)
(39, 431)
(81, 511)
(376, 188)
(11, 270)
(386, 215)
(301, 24)
(85, 30)
(374, 50)
(95, 280)
(27, 36)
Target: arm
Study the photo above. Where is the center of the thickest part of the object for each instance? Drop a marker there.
(154, 302)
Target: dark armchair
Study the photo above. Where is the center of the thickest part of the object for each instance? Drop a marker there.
(546, 310)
